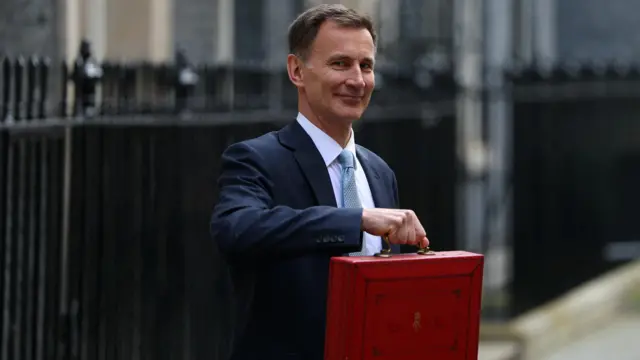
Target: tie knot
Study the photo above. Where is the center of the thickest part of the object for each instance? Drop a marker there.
(346, 159)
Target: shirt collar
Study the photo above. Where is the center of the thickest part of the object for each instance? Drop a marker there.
(329, 149)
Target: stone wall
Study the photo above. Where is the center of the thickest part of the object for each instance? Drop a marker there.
(29, 27)
(194, 28)
(598, 30)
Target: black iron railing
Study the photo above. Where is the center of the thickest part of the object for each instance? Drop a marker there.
(108, 170)
(575, 177)
(40, 88)
(107, 181)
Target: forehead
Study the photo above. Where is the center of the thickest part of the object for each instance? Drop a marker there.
(335, 39)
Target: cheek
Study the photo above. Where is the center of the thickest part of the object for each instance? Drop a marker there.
(333, 83)
(323, 84)
(370, 82)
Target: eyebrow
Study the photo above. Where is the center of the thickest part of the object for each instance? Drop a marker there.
(343, 56)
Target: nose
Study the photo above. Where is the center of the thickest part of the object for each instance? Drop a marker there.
(356, 79)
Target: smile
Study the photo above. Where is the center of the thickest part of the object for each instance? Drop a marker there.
(350, 97)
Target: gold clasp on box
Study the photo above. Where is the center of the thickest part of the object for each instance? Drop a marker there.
(386, 253)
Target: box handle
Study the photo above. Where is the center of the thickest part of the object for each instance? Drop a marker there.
(386, 253)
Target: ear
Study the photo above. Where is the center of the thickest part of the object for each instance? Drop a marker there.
(294, 69)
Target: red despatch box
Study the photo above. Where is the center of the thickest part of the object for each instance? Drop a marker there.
(404, 307)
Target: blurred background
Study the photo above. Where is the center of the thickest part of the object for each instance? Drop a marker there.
(521, 115)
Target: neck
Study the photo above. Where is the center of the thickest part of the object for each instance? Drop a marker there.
(339, 131)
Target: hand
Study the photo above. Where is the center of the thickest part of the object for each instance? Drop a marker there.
(401, 226)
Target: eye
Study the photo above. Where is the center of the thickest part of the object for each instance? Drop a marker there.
(366, 66)
(339, 63)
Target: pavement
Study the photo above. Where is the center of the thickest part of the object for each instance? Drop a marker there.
(618, 340)
(497, 350)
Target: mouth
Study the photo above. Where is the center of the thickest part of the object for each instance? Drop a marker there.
(351, 99)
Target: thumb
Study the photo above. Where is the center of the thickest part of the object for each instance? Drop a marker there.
(424, 242)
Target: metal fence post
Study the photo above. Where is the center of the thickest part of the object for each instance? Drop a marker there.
(185, 82)
(6, 90)
(86, 75)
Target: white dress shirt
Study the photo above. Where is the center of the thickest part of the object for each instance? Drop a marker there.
(330, 149)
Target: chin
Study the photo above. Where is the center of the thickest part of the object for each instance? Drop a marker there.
(349, 114)
(349, 117)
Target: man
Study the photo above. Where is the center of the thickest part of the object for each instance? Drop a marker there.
(290, 200)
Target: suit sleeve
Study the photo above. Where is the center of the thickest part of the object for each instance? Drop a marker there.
(247, 223)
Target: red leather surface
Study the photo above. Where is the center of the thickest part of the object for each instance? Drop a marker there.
(405, 307)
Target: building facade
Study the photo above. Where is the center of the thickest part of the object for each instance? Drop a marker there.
(207, 30)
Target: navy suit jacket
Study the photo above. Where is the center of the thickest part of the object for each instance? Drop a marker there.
(277, 225)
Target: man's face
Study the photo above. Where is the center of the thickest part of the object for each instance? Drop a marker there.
(338, 76)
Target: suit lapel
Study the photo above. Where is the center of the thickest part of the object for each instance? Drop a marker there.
(317, 175)
(378, 192)
(310, 161)
(315, 171)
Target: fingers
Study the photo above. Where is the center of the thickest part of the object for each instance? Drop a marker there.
(410, 224)
(401, 226)
(398, 234)
(405, 230)
(413, 232)
(395, 227)
(421, 235)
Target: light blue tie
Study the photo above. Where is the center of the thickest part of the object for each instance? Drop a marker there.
(350, 198)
